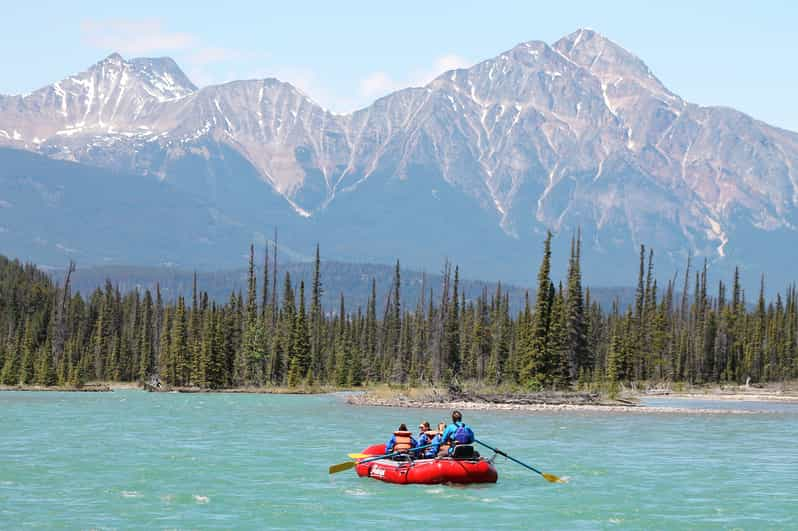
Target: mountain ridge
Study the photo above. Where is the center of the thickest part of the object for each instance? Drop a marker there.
(578, 133)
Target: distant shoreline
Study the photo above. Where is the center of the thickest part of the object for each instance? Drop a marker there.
(365, 401)
(578, 402)
(628, 401)
(88, 388)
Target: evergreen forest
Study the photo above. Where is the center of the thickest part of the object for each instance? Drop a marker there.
(278, 333)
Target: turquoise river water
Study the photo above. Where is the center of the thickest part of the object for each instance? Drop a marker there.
(130, 459)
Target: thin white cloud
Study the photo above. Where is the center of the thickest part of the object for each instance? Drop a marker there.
(214, 65)
(378, 84)
(208, 55)
(446, 63)
(134, 37)
(207, 65)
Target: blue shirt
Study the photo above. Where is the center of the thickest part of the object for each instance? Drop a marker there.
(423, 439)
(432, 451)
(448, 434)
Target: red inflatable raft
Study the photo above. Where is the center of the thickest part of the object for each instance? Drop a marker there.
(427, 471)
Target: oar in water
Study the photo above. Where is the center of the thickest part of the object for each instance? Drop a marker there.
(548, 477)
(340, 467)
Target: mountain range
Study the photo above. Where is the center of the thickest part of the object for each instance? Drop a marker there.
(130, 163)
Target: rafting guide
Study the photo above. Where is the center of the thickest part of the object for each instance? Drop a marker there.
(443, 456)
(457, 433)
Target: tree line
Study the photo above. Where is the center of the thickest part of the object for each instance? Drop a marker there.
(281, 335)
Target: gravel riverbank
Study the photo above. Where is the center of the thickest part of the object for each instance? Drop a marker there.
(365, 399)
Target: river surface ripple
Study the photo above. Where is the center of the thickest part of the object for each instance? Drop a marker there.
(130, 459)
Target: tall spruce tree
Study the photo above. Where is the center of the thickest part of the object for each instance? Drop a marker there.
(578, 353)
(537, 368)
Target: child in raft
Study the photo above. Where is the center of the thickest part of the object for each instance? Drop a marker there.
(423, 433)
(430, 438)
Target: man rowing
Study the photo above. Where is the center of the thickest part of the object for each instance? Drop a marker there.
(457, 433)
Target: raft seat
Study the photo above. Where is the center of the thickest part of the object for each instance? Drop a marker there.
(464, 451)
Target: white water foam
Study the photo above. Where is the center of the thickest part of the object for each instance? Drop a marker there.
(357, 492)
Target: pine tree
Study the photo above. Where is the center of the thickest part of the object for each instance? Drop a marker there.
(342, 351)
(145, 340)
(578, 354)
(355, 375)
(166, 363)
(205, 367)
(536, 367)
(216, 374)
(114, 371)
(179, 369)
(558, 343)
(251, 356)
(480, 340)
(13, 362)
(26, 369)
(300, 344)
(316, 317)
(371, 335)
(453, 360)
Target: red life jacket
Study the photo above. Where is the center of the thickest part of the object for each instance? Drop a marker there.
(403, 441)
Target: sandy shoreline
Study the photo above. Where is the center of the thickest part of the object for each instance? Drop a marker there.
(568, 402)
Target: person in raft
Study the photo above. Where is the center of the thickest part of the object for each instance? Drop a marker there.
(435, 438)
(423, 430)
(401, 441)
(456, 433)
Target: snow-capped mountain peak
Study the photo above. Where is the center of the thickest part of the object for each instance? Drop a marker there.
(542, 136)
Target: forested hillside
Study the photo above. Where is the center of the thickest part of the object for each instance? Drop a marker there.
(279, 332)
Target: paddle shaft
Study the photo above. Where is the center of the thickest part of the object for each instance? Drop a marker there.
(394, 454)
(511, 458)
(340, 467)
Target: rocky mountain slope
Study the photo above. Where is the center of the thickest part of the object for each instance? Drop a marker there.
(476, 165)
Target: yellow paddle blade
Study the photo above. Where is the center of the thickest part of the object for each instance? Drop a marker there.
(359, 456)
(340, 467)
(551, 478)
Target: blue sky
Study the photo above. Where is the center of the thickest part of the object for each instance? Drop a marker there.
(345, 54)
